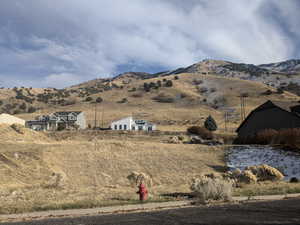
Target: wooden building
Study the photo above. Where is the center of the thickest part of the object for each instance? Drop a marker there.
(269, 116)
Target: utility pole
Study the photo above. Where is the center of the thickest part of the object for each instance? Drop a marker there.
(102, 116)
(243, 105)
(95, 124)
(225, 118)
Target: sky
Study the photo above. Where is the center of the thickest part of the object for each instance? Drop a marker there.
(57, 43)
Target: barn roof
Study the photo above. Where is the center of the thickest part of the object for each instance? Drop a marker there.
(267, 105)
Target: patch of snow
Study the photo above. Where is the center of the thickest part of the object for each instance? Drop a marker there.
(242, 156)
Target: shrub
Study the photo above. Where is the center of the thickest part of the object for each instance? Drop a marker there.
(23, 106)
(163, 98)
(202, 90)
(132, 89)
(31, 109)
(197, 82)
(99, 100)
(169, 83)
(124, 100)
(158, 83)
(88, 99)
(207, 188)
(280, 90)
(176, 78)
(201, 131)
(137, 95)
(267, 92)
(289, 138)
(265, 137)
(210, 124)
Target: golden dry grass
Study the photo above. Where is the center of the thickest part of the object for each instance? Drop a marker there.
(96, 170)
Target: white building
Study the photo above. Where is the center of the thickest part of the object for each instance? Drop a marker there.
(130, 124)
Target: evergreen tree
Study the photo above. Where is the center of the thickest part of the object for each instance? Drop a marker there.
(210, 123)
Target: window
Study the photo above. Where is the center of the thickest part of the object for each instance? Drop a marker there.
(116, 127)
(150, 128)
(140, 127)
(133, 127)
(125, 127)
(120, 127)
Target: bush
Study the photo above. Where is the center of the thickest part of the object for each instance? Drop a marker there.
(99, 100)
(210, 124)
(202, 90)
(88, 99)
(197, 82)
(163, 98)
(200, 131)
(137, 95)
(265, 137)
(124, 100)
(23, 106)
(169, 83)
(286, 138)
(31, 109)
(267, 92)
(207, 188)
(176, 78)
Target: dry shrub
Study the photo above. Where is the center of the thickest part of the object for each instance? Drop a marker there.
(265, 173)
(201, 131)
(163, 98)
(136, 178)
(289, 138)
(18, 128)
(207, 188)
(265, 137)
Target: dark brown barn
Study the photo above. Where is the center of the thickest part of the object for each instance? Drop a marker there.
(269, 116)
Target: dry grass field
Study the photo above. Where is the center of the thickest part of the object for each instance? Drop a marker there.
(46, 173)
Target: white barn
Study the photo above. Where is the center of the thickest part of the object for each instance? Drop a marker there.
(129, 123)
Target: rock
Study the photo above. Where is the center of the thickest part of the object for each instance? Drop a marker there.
(266, 173)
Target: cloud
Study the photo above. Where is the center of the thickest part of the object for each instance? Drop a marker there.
(79, 40)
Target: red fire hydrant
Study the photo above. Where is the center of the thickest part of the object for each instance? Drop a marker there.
(143, 192)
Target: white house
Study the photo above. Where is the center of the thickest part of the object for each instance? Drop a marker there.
(129, 123)
(58, 121)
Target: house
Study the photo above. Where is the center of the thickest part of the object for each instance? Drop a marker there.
(9, 119)
(129, 123)
(58, 121)
(269, 116)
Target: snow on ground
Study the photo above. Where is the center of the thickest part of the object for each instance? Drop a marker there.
(242, 156)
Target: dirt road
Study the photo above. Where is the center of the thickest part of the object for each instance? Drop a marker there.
(270, 212)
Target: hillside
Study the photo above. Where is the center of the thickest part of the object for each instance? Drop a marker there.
(173, 100)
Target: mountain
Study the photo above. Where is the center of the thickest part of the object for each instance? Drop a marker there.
(288, 66)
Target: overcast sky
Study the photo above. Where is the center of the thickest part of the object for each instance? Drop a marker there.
(63, 42)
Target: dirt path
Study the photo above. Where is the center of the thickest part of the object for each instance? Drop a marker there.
(125, 209)
(261, 212)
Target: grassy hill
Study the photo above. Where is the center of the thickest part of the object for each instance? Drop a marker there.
(189, 99)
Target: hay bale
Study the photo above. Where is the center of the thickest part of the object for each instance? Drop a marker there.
(266, 173)
(136, 178)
